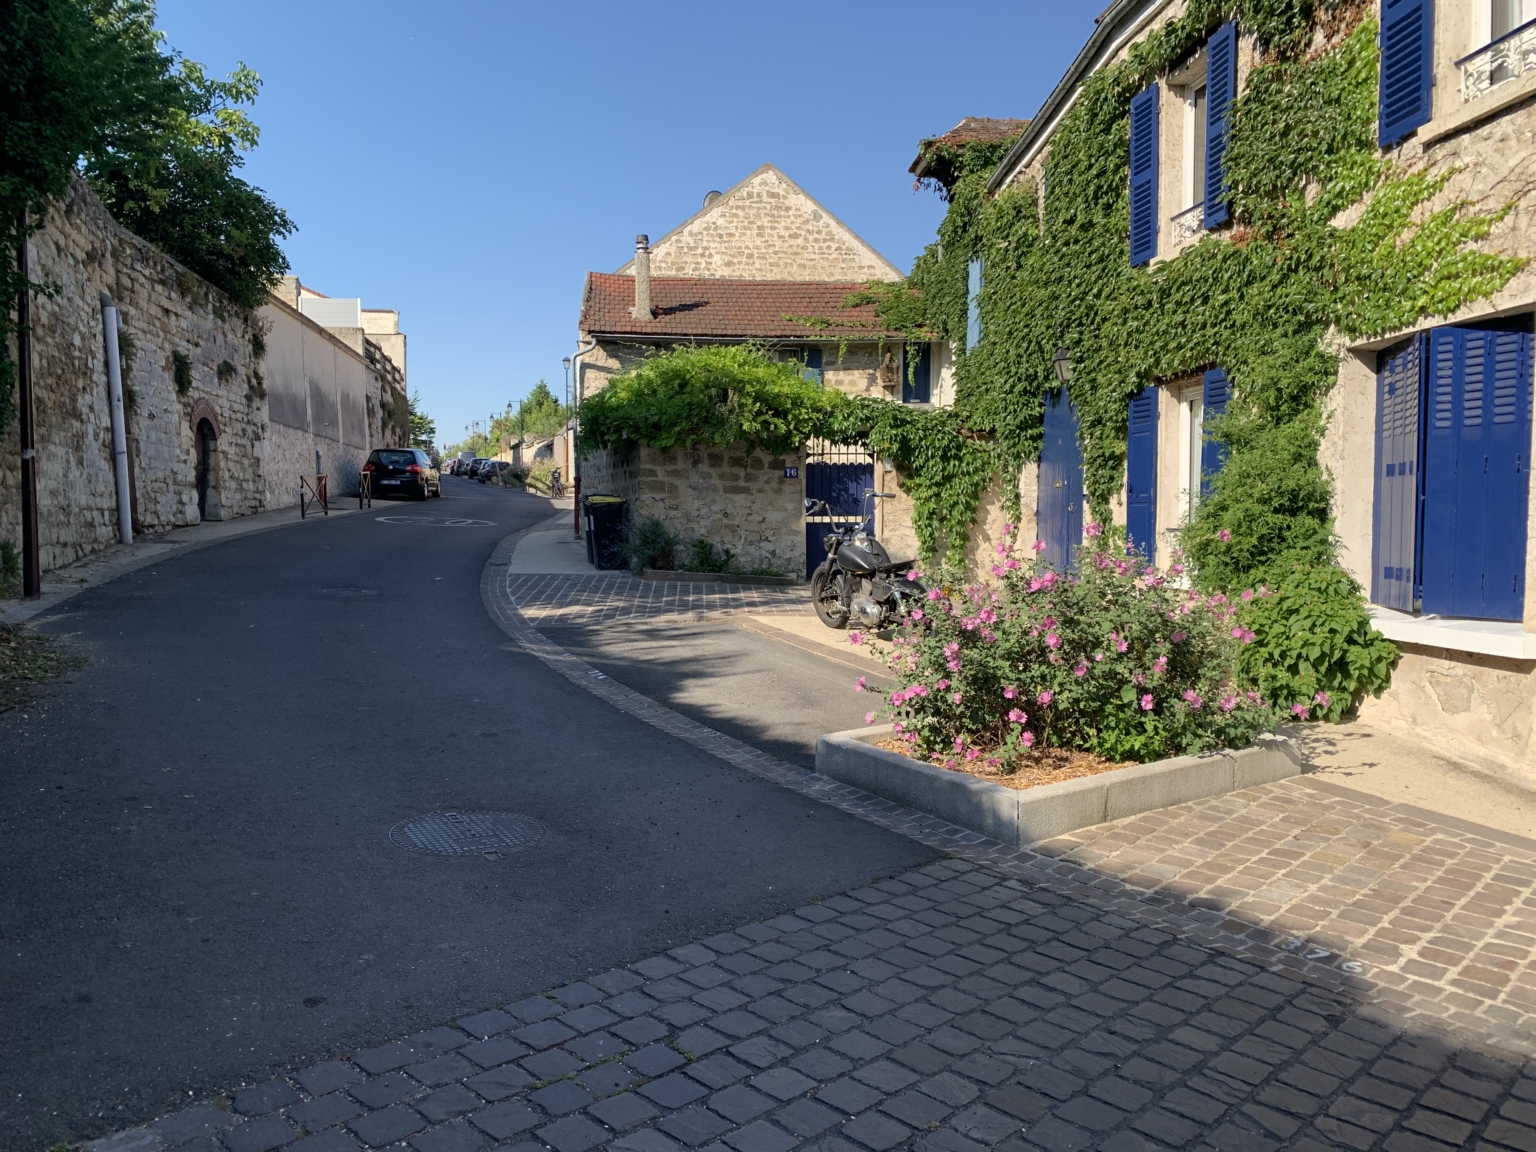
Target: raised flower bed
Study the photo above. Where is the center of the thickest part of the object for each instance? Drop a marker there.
(1021, 816)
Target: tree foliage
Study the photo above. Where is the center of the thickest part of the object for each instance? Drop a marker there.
(88, 86)
(423, 427)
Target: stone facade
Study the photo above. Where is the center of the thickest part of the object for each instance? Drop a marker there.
(734, 498)
(766, 228)
(170, 317)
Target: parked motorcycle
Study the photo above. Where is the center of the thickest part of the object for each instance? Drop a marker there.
(858, 583)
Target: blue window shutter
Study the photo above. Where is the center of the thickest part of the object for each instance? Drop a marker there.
(917, 376)
(1395, 530)
(973, 304)
(1059, 512)
(1213, 453)
(1144, 176)
(1476, 473)
(1407, 67)
(1220, 91)
(1141, 473)
(813, 365)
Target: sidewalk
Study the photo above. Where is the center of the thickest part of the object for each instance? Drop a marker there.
(62, 583)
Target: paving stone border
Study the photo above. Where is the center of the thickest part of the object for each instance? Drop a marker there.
(1022, 816)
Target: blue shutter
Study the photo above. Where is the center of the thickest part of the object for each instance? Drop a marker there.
(1144, 176)
(1213, 453)
(973, 304)
(1407, 67)
(1141, 474)
(916, 379)
(1220, 91)
(812, 369)
(1059, 511)
(1476, 473)
(1395, 532)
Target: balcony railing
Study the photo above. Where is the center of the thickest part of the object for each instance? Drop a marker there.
(1188, 224)
(1507, 58)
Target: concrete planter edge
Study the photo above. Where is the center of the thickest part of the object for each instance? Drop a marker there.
(676, 577)
(1025, 816)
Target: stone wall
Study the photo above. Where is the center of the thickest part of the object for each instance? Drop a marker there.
(731, 497)
(170, 313)
(166, 311)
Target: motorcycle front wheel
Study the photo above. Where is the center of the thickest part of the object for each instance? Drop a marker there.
(827, 597)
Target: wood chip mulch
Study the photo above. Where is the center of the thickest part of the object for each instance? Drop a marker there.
(1043, 766)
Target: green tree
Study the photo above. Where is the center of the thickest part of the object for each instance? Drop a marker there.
(423, 427)
(539, 413)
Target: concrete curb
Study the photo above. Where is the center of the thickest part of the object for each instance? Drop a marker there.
(1026, 816)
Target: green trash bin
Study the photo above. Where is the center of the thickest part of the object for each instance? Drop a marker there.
(603, 517)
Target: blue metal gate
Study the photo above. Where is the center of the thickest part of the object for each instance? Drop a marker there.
(840, 474)
(1060, 507)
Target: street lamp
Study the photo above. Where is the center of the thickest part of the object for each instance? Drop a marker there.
(1062, 362)
(566, 363)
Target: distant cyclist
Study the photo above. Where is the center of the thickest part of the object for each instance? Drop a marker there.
(556, 487)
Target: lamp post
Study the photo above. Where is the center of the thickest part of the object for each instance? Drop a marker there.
(575, 459)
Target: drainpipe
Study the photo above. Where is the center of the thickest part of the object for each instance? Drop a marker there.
(576, 420)
(31, 567)
(110, 321)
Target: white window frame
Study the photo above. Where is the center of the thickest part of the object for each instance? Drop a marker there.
(1191, 398)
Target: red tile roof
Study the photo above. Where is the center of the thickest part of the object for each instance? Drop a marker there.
(724, 309)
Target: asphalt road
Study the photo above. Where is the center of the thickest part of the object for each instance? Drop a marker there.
(199, 887)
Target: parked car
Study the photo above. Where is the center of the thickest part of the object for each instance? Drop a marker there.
(475, 465)
(403, 472)
(491, 469)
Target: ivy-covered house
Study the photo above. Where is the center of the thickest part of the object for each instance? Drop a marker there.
(1254, 285)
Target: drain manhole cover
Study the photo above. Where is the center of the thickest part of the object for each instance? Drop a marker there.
(467, 833)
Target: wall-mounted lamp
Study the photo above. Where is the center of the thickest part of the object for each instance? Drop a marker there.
(1062, 362)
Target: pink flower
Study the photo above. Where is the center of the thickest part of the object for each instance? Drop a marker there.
(934, 594)
(1160, 664)
(1046, 697)
(1039, 545)
(1094, 529)
(1011, 565)
(860, 684)
(1008, 529)
(1052, 640)
(1027, 739)
(959, 743)
(917, 613)
(972, 754)
(956, 697)
(1010, 693)
(1080, 670)
(1228, 703)
(1138, 679)
(1247, 593)
(1179, 637)
(898, 727)
(1176, 569)
(1000, 549)
(1146, 702)
(1237, 633)
(1016, 716)
(1193, 697)
(855, 638)
(913, 575)
(941, 685)
(1224, 536)
(1301, 710)
(1098, 657)
(869, 717)
(1322, 699)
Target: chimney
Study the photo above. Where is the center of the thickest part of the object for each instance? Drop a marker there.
(642, 309)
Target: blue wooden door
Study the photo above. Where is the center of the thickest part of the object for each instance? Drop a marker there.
(1060, 507)
(840, 476)
(1141, 473)
(1477, 443)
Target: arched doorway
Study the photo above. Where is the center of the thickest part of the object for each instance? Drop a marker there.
(207, 446)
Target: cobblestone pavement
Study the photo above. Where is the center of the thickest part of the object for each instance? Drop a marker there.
(1440, 913)
(950, 1009)
(566, 600)
(1184, 979)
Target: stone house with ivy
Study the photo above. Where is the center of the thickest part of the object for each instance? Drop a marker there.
(1311, 312)
(763, 263)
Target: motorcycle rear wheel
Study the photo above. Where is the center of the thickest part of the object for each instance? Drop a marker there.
(827, 598)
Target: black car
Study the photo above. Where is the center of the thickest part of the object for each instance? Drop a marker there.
(403, 472)
(473, 471)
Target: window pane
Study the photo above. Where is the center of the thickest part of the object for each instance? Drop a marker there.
(1506, 16)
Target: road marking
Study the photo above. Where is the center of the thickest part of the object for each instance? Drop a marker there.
(436, 521)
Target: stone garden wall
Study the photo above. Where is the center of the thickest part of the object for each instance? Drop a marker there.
(733, 498)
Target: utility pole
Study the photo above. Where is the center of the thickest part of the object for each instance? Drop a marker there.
(31, 566)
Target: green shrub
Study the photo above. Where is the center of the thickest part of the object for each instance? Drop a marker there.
(649, 543)
(539, 475)
(703, 556)
(1315, 653)
(1112, 659)
(708, 396)
(181, 372)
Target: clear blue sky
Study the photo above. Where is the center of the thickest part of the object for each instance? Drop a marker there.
(467, 161)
